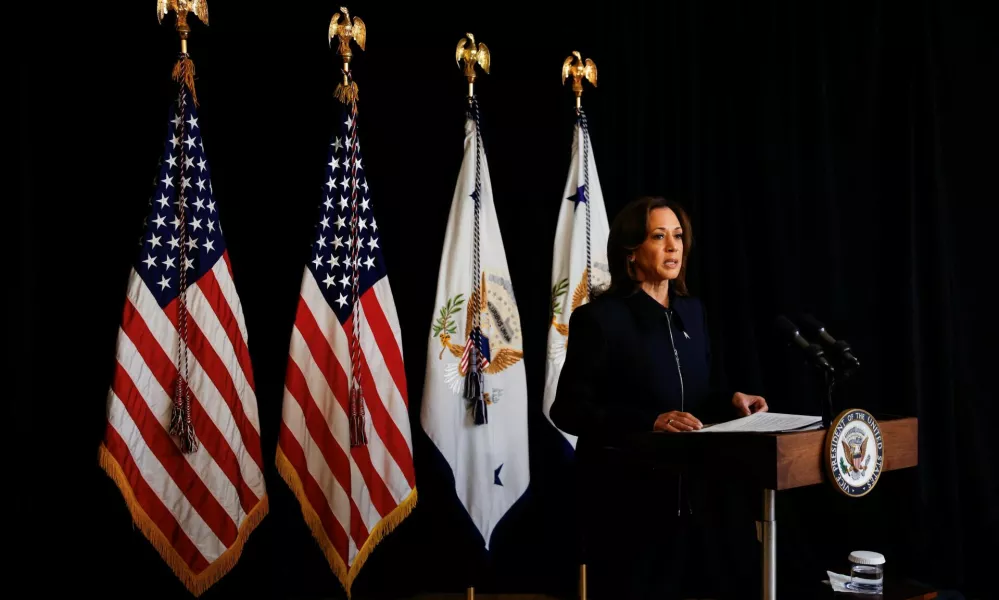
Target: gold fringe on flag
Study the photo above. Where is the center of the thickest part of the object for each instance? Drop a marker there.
(385, 526)
(196, 583)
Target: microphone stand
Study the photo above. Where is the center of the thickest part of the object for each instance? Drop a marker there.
(827, 406)
(839, 365)
(843, 371)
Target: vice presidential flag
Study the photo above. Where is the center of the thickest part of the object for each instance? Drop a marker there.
(475, 391)
(344, 445)
(579, 264)
(182, 440)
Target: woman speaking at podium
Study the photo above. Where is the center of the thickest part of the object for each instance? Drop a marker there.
(638, 360)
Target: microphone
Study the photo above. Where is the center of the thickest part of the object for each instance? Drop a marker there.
(812, 351)
(817, 329)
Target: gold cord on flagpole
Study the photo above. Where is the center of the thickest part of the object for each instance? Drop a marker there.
(183, 71)
(472, 55)
(579, 69)
(346, 91)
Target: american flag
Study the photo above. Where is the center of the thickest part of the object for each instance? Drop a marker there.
(351, 495)
(466, 353)
(196, 508)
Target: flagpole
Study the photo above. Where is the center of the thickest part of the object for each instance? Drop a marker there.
(181, 425)
(473, 54)
(346, 92)
(472, 390)
(580, 69)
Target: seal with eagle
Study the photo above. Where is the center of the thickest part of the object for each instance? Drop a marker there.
(504, 357)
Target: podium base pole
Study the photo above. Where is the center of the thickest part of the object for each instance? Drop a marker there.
(769, 540)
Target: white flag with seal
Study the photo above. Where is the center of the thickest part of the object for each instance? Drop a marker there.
(475, 391)
(579, 263)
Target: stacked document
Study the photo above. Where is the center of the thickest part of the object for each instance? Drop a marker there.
(766, 422)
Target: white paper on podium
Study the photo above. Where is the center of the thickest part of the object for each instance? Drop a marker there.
(766, 422)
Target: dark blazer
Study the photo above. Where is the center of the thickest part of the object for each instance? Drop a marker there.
(629, 360)
(647, 530)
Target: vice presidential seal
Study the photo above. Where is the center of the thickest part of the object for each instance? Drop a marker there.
(501, 343)
(854, 452)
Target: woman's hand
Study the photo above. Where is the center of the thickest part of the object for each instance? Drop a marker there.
(675, 421)
(747, 405)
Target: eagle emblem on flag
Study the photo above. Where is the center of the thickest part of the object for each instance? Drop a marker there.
(560, 292)
(561, 289)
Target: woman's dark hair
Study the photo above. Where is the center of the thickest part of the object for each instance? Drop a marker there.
(628, 232)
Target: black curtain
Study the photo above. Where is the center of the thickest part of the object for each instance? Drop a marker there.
(837, 158)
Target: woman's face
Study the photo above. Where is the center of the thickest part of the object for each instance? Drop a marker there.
(661, 254)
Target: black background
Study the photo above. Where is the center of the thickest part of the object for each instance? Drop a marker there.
(837, 158)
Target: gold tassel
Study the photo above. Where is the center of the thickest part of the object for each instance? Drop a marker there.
(196, 583)
(346, 93)
(384, 527)
(183, 71)
(358, 437)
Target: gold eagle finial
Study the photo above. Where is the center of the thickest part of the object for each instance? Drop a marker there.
(182, 7)
(346, 31)
(579, 69)
(472, 55)
(183, 70)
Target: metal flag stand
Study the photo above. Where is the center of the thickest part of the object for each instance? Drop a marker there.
(574, 66)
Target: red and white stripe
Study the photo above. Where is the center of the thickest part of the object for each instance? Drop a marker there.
(200, 502)
(356, 494)
(466, 352)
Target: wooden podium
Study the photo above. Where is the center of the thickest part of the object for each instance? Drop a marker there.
(770, 462)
